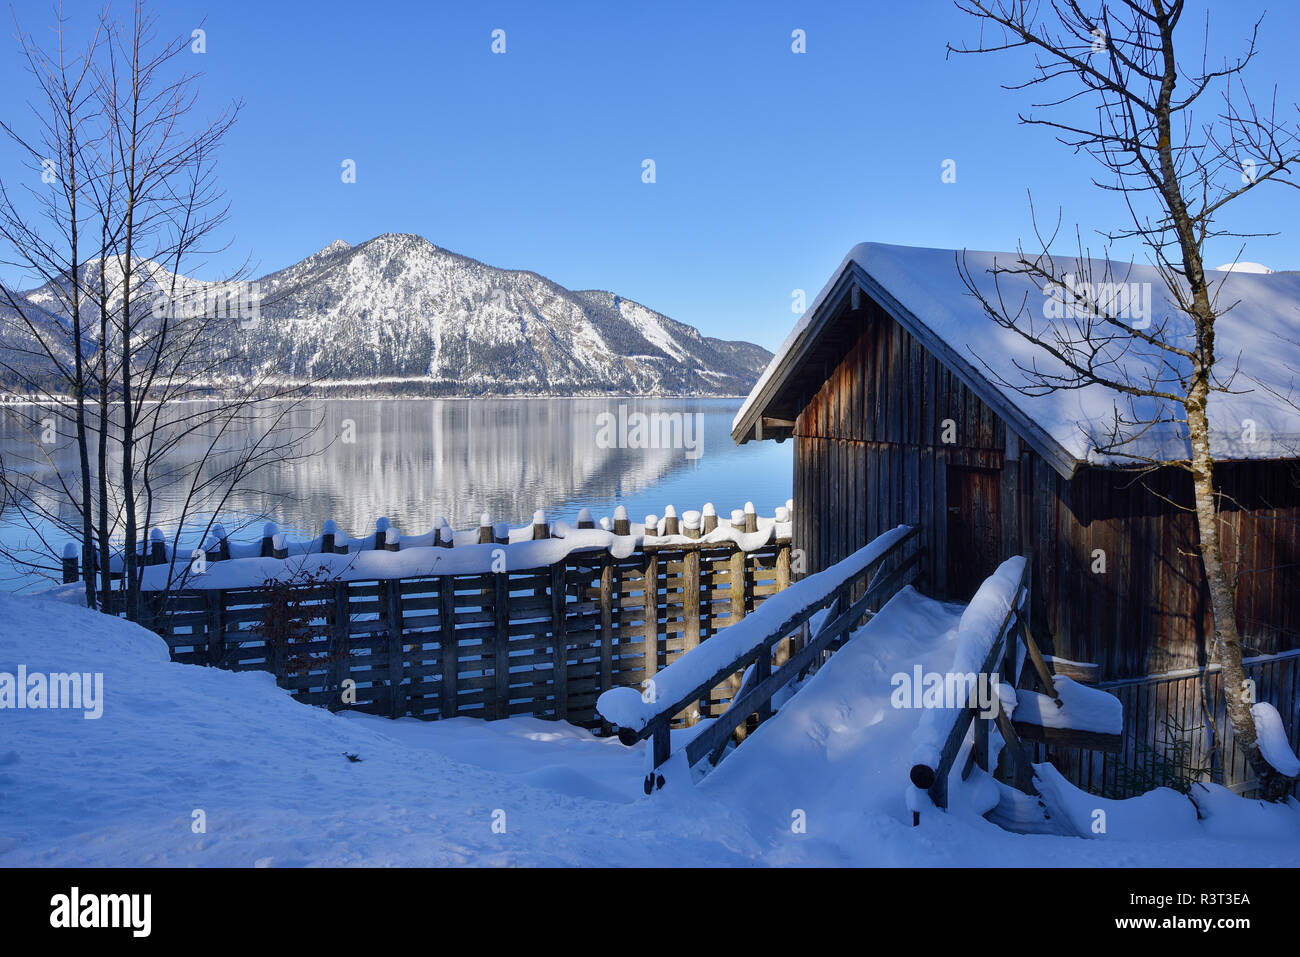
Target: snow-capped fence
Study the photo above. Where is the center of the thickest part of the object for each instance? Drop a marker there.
(773, 648)
(487, 622)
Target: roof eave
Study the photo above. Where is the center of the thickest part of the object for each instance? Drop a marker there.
(750, 425)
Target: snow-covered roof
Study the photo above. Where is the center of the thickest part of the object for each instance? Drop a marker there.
(922, 289)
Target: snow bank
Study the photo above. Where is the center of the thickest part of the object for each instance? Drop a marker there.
(275, 788)
(1083, 708)
(629, 708)
(1159, 815)
(1272, 739)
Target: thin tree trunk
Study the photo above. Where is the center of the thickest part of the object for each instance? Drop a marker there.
(1227, 640)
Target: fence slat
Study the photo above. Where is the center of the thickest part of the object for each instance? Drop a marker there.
(559, 643)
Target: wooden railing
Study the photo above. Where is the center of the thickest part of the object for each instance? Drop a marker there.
(773, 647)
(1004, 658)
(1176, 731)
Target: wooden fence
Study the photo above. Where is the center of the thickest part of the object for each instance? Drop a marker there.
(1176, 731)
(542, 641)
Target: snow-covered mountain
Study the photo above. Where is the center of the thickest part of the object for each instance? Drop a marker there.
(399, 314)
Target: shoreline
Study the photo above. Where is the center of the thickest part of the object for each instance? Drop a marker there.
(5, 401)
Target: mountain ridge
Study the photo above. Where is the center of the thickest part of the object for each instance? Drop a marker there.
(399, 307)
(399, 315)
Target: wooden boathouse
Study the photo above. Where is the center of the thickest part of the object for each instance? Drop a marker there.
(895, 389)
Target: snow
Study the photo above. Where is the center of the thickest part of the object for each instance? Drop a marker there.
(1256, 337)
(419, 555)
(1273, 743)
(1083, 708)
(175, 739)
(1243, 267)
(398, 310)
(976, 633)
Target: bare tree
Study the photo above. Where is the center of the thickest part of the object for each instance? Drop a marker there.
(45, 354)
(1119, 93)
(151, 202)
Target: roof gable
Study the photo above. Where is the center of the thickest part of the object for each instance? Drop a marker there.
(1259, 338)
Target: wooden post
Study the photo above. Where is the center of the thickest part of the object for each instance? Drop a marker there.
(585, 520)
(540, 529)
(737, 573)
(651, 605)
(1022, 773)
(485, 529)
(785, 647)
(1010, 658)
(606, 622)
(710, 518)
(670, 521)
(750, 518)
(215, 609)
(392, 540)
(691, 617)
(980, 747)
(660, 749)
(621, 524)
(221, 552)
(269, 531)
(736, 587)
(70, 574)
(763, 671)
(501, 645)
(939, 791)
(340, 641)
(157, 547)
(559, 643)
(691, 598)
(447, 643)
(1040, 666)
(391, 590)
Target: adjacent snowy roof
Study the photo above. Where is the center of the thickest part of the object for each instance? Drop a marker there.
(922, 289)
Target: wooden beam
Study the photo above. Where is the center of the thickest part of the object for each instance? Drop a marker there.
(1084, 672)
(1069, 737)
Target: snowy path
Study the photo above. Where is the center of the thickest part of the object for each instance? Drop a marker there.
(271, 776)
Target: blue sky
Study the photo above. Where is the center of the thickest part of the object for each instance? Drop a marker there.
(769, 164)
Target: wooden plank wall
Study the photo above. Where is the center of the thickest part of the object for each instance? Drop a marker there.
(869, 449)
(1146, 610)
(435, 647)
(869, 454)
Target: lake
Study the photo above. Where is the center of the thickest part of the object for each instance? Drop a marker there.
(412, 460)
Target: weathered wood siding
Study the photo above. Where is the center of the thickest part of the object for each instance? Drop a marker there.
(870, 453)
(869, 449)
(1146, 610)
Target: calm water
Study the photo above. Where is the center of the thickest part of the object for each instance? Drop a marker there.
(412, 460)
